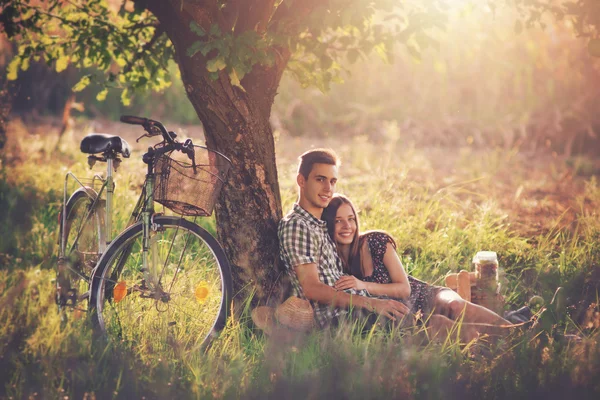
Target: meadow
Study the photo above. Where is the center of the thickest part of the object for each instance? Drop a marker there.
(486, 140)
(538, 211)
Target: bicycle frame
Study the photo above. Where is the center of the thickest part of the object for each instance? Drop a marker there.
(108, 185)
(147, 199)
(143, 211)
(160, 267)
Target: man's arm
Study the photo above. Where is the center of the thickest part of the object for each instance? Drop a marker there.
(315, 290)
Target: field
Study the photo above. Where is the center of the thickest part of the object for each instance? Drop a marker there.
(441, 204)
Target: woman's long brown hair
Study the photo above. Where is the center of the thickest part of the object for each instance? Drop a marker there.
(351, 266)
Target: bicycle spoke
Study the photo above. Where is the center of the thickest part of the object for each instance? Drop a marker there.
(76, 272)
(168, 254)
(179, 262)
(181, 311)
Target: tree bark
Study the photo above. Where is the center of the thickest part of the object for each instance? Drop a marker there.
(236, 123)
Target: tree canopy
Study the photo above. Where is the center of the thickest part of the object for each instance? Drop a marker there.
(129, 49)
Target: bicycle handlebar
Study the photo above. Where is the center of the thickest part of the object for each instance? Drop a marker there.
(148, 125)
(130, 119)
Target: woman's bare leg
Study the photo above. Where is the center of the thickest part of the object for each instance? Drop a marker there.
(448, 303)
(440, 327)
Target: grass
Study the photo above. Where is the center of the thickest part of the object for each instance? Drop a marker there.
(440, 204)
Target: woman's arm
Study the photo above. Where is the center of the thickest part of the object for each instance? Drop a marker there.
(314, 289)
(399, 288)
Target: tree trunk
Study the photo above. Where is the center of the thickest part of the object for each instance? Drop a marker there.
(236, 123)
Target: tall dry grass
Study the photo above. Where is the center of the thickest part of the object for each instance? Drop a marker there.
(441, 205)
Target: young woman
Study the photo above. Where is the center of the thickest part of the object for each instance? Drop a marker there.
(372, 261)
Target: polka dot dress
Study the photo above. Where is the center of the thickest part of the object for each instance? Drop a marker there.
(422, 294)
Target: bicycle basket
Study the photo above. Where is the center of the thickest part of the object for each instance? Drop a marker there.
(184, 191)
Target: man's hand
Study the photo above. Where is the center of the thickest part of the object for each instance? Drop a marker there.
(391, 309)
(350, 282)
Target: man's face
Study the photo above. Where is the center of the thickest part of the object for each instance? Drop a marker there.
(317, 189)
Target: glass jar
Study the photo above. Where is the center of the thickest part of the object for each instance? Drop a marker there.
(487, 291)
(485, 263)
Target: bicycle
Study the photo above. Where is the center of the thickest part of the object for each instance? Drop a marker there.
(164, 283)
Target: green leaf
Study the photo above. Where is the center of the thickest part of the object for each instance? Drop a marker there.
(206, 48)
(62, 63)
(197, 29)
(13, 69)
(215, 64)
(215, 30)
(594, 47)
(82, 84)
(121, 62)
(125, 98)
(25, 64)
(382, 52)
(194, 48)
(235, 79)
(102, 95)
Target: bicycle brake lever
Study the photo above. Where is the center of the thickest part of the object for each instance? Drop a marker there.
(140, 138)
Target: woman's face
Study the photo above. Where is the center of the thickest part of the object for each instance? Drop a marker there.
(345, 225)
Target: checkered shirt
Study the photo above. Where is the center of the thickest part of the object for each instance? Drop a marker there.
(303, 239)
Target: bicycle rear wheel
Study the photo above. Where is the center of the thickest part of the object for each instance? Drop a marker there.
(178, 304)
(83, 241)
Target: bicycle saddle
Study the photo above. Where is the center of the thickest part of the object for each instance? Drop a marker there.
(101, 143)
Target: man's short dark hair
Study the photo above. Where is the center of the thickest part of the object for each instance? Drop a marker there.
(316, 156)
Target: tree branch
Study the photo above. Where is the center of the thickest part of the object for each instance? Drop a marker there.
(292, 15)
(256, 16)
(157, 33)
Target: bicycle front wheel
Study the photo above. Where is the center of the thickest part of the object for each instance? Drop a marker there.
(178, 302)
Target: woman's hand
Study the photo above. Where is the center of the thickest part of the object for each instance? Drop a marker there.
(350, 282)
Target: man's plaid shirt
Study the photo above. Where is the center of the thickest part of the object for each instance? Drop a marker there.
(303, 239)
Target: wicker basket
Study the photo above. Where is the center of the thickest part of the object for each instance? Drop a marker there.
(188, 191)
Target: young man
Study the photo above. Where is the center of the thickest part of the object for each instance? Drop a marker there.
(309, 253)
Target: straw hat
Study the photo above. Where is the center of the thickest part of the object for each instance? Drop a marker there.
(294, 313)
(264, 318)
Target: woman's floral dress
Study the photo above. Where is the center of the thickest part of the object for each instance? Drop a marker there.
(422, 294)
